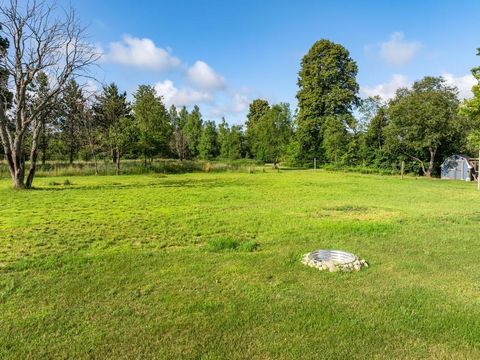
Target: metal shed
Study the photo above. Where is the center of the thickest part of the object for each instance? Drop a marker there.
(459, 167)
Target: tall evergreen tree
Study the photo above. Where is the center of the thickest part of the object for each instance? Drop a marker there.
(235, 142)
(40, 91)
(223, 139)
(153, 122)
(183, 117)
(208, 147)
(193, 131)
(327, 87)
(113, 116)
(71, 107)
(91, 135)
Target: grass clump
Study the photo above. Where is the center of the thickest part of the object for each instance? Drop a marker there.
(229, 244)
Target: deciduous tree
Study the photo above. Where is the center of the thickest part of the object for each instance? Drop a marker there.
(423, 122)
(256, 110)
(327, 87)
(271, 133)
(177, 141)
(40, 40)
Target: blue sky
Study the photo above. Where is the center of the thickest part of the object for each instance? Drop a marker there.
(223, 54)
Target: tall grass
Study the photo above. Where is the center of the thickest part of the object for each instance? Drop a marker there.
(137, 167)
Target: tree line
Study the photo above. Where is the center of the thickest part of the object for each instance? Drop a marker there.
(108, 125)
(46, 115)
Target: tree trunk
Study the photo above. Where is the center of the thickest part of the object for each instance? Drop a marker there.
(18, 171)
(70, 159)
(95, 162)
(430, 163)
(33, 155)
(117, 163)
(33, 166)
(18, 175)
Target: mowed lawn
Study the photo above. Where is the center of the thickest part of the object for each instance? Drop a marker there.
(120, 267)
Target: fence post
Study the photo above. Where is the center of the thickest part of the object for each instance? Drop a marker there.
(478, 171)
(314, 163)
(402, 168)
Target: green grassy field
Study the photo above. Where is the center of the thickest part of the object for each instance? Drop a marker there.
(133, 267)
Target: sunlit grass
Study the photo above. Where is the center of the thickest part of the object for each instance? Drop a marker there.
(208, 266)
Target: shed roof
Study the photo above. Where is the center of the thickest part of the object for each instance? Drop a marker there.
(457, 156)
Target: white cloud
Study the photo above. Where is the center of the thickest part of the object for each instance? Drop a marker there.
(397, 51)
(240, 103)
(181, 97)
(237, 103)
(387, 89)
(198, 84)
(203, 76)
(463, 83)
(141, 53)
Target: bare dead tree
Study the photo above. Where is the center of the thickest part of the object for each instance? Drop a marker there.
(42, 38)
(178, 144)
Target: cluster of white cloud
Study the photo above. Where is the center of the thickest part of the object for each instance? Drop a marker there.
(387, 89)
(236, 104)
(203, 76)
(201, 84)
(397, 51)
(463, 83)
(181, 97)
(142, 53)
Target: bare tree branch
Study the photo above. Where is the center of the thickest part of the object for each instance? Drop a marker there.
(40, 41)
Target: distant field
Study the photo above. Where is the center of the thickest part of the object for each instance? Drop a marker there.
(134, 267)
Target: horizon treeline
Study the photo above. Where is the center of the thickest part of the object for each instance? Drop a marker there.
(421, 125)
